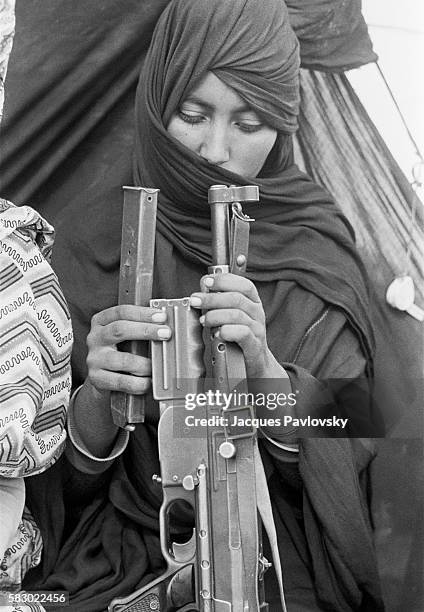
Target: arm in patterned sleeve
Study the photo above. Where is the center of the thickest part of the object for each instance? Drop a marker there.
(35, 345)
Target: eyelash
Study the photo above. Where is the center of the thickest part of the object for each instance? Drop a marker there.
(196, 119)
(192, 119)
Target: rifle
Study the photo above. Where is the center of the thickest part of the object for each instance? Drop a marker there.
(221, 567)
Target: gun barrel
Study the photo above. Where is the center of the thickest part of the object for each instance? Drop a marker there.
(223, 232)
(220, 232)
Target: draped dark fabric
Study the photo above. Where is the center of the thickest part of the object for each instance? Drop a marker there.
(67, 129)
(360, 172)
(66, 141)
(333, 35)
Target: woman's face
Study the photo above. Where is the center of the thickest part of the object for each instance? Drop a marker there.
(214, 122)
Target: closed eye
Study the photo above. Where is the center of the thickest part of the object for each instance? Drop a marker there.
(249, 127)
(191, 117)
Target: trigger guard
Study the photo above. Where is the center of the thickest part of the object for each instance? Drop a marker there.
(186, 551)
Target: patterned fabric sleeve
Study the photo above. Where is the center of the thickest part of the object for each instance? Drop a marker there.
(35, 346)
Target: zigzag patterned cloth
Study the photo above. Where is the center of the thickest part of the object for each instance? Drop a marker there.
(35, 377)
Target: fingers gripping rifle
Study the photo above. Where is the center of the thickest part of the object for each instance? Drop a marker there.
(220, 568)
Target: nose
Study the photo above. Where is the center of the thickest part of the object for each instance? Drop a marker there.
(215, 147)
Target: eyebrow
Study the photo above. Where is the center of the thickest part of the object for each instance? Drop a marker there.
(211, 107)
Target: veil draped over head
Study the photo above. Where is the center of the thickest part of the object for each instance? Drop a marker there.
(299, 234)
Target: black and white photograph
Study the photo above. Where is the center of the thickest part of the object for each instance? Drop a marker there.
(211, 306)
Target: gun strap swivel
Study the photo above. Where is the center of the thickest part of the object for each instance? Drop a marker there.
(239, 239)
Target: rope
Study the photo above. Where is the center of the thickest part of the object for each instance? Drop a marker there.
(417, 172)
(412, 139)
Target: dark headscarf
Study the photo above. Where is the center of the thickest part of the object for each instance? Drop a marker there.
(252, 50)
(299, 233)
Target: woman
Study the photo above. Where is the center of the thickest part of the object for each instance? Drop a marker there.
(217, 103)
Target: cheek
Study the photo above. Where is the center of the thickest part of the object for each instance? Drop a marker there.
(257, 151)
(266, 144)
(183, 133)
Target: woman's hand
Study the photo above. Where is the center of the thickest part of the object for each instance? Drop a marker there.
(112, 370)
(235, 307)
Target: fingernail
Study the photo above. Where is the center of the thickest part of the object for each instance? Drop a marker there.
(159, 317)
(208, 281)
(164, 333)
(195, 301)
(202, 320)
